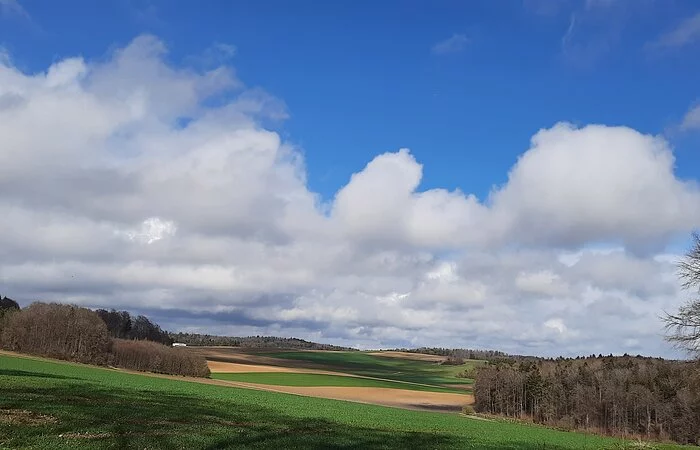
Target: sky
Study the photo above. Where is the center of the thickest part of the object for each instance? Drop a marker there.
(520, 176)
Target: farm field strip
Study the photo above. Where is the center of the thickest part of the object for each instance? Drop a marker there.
(416, 374)
(380, 367)
(409, 356)
(311, 380)
(63, 405)
(443, 402)
(231, 367)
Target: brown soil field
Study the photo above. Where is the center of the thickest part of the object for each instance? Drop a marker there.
(229, 367)
(413, 356)
(398, 398)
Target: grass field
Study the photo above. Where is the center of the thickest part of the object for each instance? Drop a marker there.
(310, 379)
(364, 364)
(47, 405)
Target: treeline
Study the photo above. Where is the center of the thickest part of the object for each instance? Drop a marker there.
(252, 342)
(57, 331)
(154, 357)
(460, 353)
(621, 396)
(122, 325)
(79, 334)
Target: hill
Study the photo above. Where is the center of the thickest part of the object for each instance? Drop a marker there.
(48, 404)
(269, 342)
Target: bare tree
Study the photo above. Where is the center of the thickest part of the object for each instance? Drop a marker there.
(630, 396)
(684, 327)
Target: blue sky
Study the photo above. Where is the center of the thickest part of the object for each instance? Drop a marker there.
(359, 78)
(550, 186)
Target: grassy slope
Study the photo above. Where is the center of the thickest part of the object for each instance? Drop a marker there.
(102, 408)
(307, 379)
(359, 363)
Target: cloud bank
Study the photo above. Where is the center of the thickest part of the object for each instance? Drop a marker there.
(122, 184)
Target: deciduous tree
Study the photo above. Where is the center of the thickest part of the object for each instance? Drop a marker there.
(684, 326)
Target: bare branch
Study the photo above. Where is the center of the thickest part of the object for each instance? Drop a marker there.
(683, 328)
(689, 267)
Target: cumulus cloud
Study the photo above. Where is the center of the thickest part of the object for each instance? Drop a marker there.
(137, 193)
(151, 230)
(572, 186)
(597, 183)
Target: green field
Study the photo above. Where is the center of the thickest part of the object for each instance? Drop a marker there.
(46, 405)
(312, 379)
(364, 364)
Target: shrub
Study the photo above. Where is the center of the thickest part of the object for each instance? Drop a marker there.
(57, 331)
(468, 373)
(150, 356)
(468, 410)
(566, 423)
(453, 361)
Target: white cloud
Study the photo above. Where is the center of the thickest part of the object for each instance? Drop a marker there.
(151, 230)
(556, 324)
(596, 183)
(685, 33)
(454, 44)
(130, 154)
(691, 120)
(573, 186)
(544, 282)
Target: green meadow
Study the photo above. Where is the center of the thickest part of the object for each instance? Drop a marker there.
(58, 405)
(397, 369)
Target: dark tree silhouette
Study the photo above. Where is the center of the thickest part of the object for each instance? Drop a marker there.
(123, 326)
(684, 326)
(7, 304)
